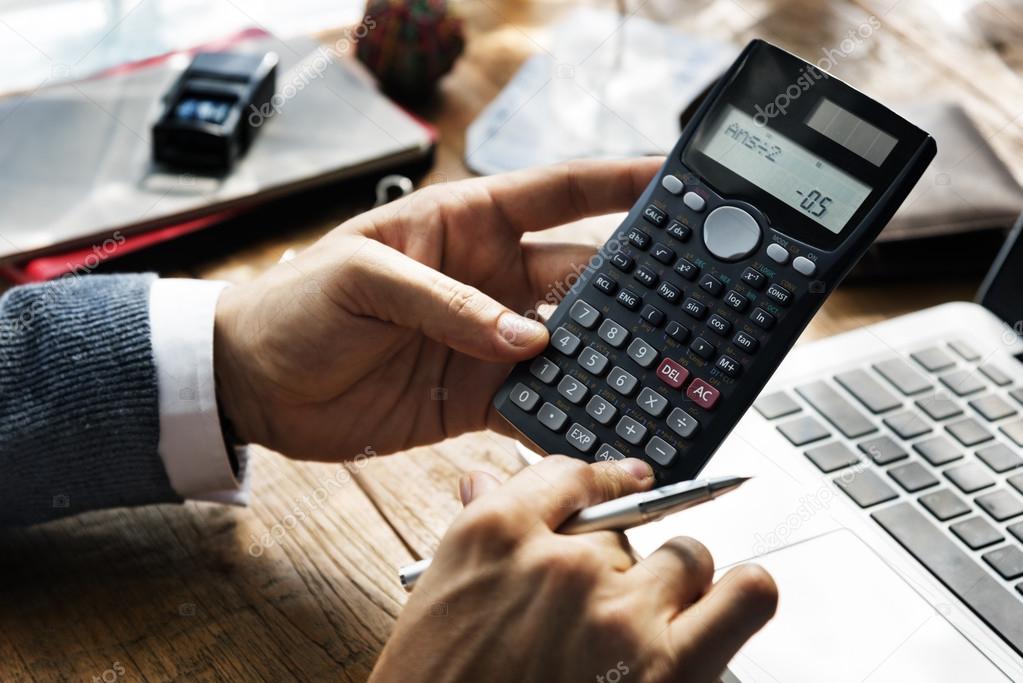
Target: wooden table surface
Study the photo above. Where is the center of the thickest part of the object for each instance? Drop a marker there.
(301, 584)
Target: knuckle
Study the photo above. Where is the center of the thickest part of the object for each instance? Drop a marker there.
(480, 525)
(757, 589)
(694, 556)
(462, 300)
(563, 566)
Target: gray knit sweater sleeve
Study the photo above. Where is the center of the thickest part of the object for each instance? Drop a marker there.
(79, 408)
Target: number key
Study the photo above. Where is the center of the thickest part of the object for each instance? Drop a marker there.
(593, 361)
(524, 397)
(613, 333)
(544, 370)
(572, 389)
(584, 314)
(621, 381)
(600, 410)
(565, 341)
(641, 352)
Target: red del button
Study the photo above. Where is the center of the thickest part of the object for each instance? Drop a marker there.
(703, 394)
(672, 374)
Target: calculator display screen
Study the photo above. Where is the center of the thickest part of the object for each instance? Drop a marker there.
(783, 168)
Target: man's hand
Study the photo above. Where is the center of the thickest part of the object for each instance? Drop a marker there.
(396, 328)
(508, 599)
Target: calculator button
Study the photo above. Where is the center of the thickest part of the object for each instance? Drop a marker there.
(694, 201)
(654, 215)
(629, 299)
(804, 266)
(777, 253)
(754, 278)
(572, 389)
(702, 348)
(621, 381)
(694, 308)
(622, 262)
(660, 451)
(653, 315)
(639, 238)
(584, 314)
(682, 423)
(565, 341)
(746, 342)
(605, 284)
(641, 352)
(593, 361)
(580, 437)
(686, 269)
(645, 276)
(663, 253)
(652, 402)
(711, 284)
(669, 292)
(606, 452)
(524, 397)
(677, 331)
(703, 394)
(600, 410)
(729, 366)
(544, 370)
(762, 318)
(718, 324)
(736, 300)
(672, 184)
(779, 294)
(551, 417)
(613, 333)
(679, 231)
(671, 373)
(730, 233)
(630, 430)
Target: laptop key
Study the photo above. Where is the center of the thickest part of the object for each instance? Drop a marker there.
(865, 487)
(1000, 504)
(1016, 530)
(907, 424)
(883, 450)
(964, 350)
(832, 456)
(1016, 482)
(775, 405)
(944, 504)
(912, 477)
(968, 432)
(933, 359)
(969, 477)
(962, 382)
(803, 430)
(977, 532)
(902, 376)
(937, 450)
(836, 409)
(999, 457)
(1014, 430)
(868, 391)
(992, 407)
(939, 406)
(1017, 394)
(996, 605)
(1007, 561)
(995, 374)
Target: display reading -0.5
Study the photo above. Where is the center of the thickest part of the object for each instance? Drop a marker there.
(785, 169)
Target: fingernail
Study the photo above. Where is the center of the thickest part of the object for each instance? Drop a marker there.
(465, 488)
(519, 330)
(637, 468)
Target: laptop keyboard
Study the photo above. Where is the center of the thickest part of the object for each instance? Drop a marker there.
(929, 446)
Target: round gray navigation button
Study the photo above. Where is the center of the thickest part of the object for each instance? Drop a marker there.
(694, 201)
(730, 233)
(778, 253)
(804, 266)
(672, 184)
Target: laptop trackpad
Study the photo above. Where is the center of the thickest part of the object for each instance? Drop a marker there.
(844, 615)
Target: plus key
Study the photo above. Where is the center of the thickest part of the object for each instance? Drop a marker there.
(703, 394)
(671, 373)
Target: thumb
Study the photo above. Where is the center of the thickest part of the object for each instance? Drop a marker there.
(475, 484)
(411, 294)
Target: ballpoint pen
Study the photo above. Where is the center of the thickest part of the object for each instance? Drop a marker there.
(622, 513)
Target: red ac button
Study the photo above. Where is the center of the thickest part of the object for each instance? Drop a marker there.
(703, 394)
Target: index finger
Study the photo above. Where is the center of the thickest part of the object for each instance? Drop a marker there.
(540, 198)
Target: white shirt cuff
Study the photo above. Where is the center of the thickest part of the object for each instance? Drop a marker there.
(191, 442)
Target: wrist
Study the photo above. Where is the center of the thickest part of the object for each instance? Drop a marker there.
(237, 398)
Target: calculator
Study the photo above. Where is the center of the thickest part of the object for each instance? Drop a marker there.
(779, 183)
